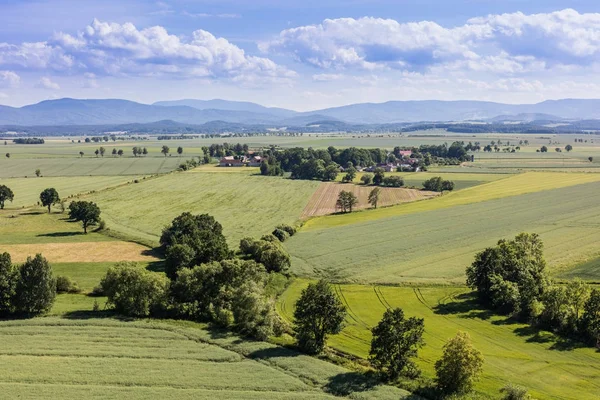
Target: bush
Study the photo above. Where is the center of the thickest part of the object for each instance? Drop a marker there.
(459, 366)
(64, 284)
(437, 184)
(135, 291)
(270, 238)
(393, 181)
(367, 179)
(280, 234)
(288, 228)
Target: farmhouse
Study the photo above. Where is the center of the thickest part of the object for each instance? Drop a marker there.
(405, 153)
(232, 161)
(255, 161)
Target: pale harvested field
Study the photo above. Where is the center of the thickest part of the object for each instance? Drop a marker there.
(113, 251)
(323, 200)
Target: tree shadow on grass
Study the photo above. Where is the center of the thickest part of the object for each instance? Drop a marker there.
(33, 213)
(60, 234)
(466, 304)
(351, 382)
(87, 315)
(567, 344)
(273, 352)
(156, 266)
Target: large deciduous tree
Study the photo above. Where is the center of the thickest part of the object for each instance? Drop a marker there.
(49, 197)
(396, 340)
(374, 197)
(5, 194)
(36, 289)
(318, 313)
(9, 277)
(87, 212)
(346, 201)
(165, 150)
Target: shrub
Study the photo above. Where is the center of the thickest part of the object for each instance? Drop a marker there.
(280, 234)
(288, 228)
(367, 179)
(459, 366)
(270, 238)
(64, 284)
(135, 291)
(393, 181)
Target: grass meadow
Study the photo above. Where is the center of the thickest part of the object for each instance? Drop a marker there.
(514, 353)
(244, 203)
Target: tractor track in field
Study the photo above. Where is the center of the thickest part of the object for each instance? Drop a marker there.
(350, 313)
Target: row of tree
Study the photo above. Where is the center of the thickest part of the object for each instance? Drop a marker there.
(512, 278)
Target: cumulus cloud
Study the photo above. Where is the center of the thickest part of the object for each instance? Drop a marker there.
(9, 79)
(104, 48)
(47, 83)
(502, 44)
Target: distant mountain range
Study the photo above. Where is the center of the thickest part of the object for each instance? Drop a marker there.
(114, 111)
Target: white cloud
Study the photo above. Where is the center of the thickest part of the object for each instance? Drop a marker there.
(502, 44)
(47, 83)
(104, 48)
(208, 15)
(9, 79)
(327, 77)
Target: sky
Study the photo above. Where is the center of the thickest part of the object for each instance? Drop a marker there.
(301, 55)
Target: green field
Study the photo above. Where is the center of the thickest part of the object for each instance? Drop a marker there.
(244, 203)
(433, 244)
(514, 353)
(104, 358)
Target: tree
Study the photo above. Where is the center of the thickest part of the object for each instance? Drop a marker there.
(133, 290)
(145, 151)
(165, 150)
(120, 152)
(9, 277)
(379, 175)
(374, 197)
(38, 172)
(178, 256)
(577, 294)
(331, 172)
(49, 197)
(86, 212)
(568, 147)
(512, 392)
(102, 151)
(136, 150)
(97, 152)
(591, 159)
(590, 320)
(346, 201)
(36, 289)
(81, 154)
(180, 151)
(318, 313)
(544, 149)
(437, 184)
(512, 276)
(350, 175)
(5, 194)
(201, 233)
(393, 181)
(366, 179)
(114, 151)
(460, 365)
(395, 341)
(7, 155)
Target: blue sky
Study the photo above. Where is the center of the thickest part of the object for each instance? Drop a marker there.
(303, 55)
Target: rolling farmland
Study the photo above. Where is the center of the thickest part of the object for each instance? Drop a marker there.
(514, 352)
(245, 204)
(323, 200)
(105, 358)
(435, 245)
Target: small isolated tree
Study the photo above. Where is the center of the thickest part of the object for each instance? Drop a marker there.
(81, 154)
(374, 197)
(318, 313)
(145, 151)
(544, 149)
(9, 277)
(36, 289)
(460, 365)
(97, 152)
(366, 179)
(49, 197)
(114, 151)
(395, 341)
(350, 175)
(120, 152)
(102, 151)
(5, 194)
(346, 201)
(86, 212)
(180, 151)
(165, 150)
(7, 155)
(38, 172)
(568, 147)
(512, 392)
(591, 159)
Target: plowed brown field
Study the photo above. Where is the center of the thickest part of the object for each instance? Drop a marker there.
(323, 200)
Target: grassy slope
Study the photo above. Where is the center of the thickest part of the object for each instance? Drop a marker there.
(104, 358)
(27, 190)
(437, 245)
(245, 204)
(514, 353)
(462, 180)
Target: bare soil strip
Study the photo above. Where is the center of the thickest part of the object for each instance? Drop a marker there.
(113, 251)
(323, 200)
